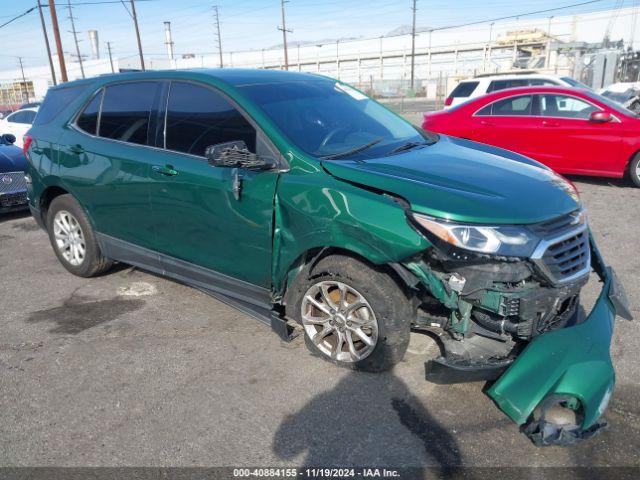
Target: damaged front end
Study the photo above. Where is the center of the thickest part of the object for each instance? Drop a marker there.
(517, 320)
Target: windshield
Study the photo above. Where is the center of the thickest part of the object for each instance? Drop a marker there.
(619, 97)
(575, 83)
(611, 104)
(332, 120)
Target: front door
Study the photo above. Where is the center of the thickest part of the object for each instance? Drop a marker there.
(569, 143)
(213, 218)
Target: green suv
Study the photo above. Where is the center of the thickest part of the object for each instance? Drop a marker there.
(309, 206)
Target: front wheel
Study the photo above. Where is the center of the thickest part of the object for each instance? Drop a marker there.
(634, 170)
(353, 314)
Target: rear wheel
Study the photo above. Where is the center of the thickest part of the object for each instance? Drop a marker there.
(634, 170)
(353, 314)
(72, 238)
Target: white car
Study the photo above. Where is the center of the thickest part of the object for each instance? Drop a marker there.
(483, 84)
(18, 123)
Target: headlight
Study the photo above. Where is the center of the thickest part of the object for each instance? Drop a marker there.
(512, 241)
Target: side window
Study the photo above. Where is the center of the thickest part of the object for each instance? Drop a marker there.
(29, 116)
(126, 111)
(517, 83)
(485, 111)
(565, 106)
(497, 85)
(536, 82)
(88, 119)
(55, 101)
(464, 89)
(18, 117)
(512, 106)
(198, 117)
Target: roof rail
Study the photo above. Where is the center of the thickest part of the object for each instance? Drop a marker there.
(513, 72)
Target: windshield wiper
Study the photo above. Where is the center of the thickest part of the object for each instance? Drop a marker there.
(353, 150)
(410, 145)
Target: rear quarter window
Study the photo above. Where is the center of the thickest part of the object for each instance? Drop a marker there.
(55, 101)
(464, 89)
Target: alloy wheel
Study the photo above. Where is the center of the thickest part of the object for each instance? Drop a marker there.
(69, 238)
(339, 321)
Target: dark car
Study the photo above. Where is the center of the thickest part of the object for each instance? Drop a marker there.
(13, 187)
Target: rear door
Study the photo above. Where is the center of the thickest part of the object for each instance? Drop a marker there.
(509, 123)
(211, 219)
(106, 159)
(570, 143)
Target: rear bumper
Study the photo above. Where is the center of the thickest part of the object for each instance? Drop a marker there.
(570, 362)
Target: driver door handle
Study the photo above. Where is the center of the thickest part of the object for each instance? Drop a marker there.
(548, 123)
(76, 149)
(167, 170)
(486, 123)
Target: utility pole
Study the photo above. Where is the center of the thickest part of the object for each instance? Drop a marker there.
(284, 35)
(110, 57)
(56, 36)
(135, 22)
(75, 38)
(23, 86)
(168, 40)
(46, 43)
(413, 44)
(218, 36)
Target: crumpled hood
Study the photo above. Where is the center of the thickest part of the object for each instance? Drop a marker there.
(12, 159)
(465, 181)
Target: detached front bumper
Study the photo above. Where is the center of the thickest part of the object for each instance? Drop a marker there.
(570, 363)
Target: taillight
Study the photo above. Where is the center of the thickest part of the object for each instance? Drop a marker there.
(448, 101)
(26, 143)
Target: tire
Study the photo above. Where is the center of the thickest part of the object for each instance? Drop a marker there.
(634, 170)
(384, 316)
(85, 260)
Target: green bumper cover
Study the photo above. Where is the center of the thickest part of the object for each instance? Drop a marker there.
(572, 361)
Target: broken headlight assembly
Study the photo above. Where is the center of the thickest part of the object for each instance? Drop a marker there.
(501, 240)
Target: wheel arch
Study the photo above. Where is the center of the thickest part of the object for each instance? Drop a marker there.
(47, 196)
(305, 262)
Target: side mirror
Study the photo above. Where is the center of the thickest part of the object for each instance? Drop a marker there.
(9, 138)
(600, 116)
(236, 154)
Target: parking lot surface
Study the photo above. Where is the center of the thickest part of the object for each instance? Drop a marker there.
(133, 369)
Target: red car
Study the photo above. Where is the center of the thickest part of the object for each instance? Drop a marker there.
(572, 131)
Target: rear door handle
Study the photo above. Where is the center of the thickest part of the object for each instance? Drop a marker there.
(486, 122)
(76, 149)
(167, 170)
(547, 123)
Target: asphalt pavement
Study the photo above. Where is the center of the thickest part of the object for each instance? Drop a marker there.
(133, 369)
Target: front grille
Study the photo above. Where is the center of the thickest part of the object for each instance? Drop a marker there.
(13, 199)
(559, 225)
(564, 254)
(570, 256)
(12, 182)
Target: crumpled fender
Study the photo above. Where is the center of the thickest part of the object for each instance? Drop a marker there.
(572, 361)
